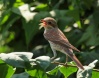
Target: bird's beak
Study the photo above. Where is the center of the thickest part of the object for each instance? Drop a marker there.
(43, 23)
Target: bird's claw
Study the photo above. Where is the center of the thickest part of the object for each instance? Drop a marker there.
(66, 64)
(52, 58)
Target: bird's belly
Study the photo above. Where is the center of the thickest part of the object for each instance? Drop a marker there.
(57, 47)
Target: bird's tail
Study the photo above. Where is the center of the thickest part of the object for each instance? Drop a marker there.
(79, 65)
(70, 53)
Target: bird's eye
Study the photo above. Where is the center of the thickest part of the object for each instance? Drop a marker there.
(49, 22)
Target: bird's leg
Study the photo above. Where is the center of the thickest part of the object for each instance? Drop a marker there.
(66, 60)
(55, 54)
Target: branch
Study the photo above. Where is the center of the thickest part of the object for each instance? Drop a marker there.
(64, 64)
(96, 70)
(70, 65)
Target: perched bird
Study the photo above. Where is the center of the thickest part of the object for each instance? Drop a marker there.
(58, 40)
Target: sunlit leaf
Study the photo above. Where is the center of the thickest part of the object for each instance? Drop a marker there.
(6, 71)
(66, 71)
(95, 74)
(31, 27)
(36, 71)
(28, 55)
(42, 7)
(13, 60)
(54, 71)
(43, 61)
(87, 72)
(5, 16)
(25, 12)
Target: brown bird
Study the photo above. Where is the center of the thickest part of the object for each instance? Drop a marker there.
(57, 40)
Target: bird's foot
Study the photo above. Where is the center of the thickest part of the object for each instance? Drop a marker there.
(52, 58)
(66, 61)
(66, 64)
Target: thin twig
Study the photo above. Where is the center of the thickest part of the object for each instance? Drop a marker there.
(64, 64)
(97, 70)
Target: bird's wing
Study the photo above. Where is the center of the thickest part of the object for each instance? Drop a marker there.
(57, 37)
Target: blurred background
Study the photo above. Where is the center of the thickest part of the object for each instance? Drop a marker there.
(78, 19)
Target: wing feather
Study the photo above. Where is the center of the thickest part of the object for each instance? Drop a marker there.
(57, 37)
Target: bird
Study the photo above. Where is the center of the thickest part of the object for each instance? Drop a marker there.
(57, 40)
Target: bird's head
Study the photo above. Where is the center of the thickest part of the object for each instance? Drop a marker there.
(48, 23)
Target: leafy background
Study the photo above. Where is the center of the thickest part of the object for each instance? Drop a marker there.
(19, 30)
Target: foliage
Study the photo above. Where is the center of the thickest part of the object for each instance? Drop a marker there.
(19, 32)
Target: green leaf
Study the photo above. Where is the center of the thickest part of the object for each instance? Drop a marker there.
(30, 20)
(25, 12)
(36, 72)
(5, 16)
(91, 56)
(43, 61)
(88, 3)
(54, 71)
(9, 24)
(6, 71)
(66, 71)
(75, 14)
(42, 7)
(6, 35)
(90, 37)
(23, 55)
(96, 18)
(32, 72)
(21, 75)
(12, 59)
(31, 27)
(95, 74)
(1, 61)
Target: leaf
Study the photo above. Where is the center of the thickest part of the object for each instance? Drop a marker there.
(12, 59)
(6, 71)
(36, 71)
(87, 72)
(42, 7)
(54, 71)
(90, 37)
(66, 71)
(9, 24)
(43, 61)
(24, 55)
(88, 3)
(92, 65)
(21, 75)
(32, 72)
(24, 11)
(1, 61)
(56, 6)
(31, 27)
(75, 14)
(95, 74)
(30, 20)
(5, 16)
(96, 18)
